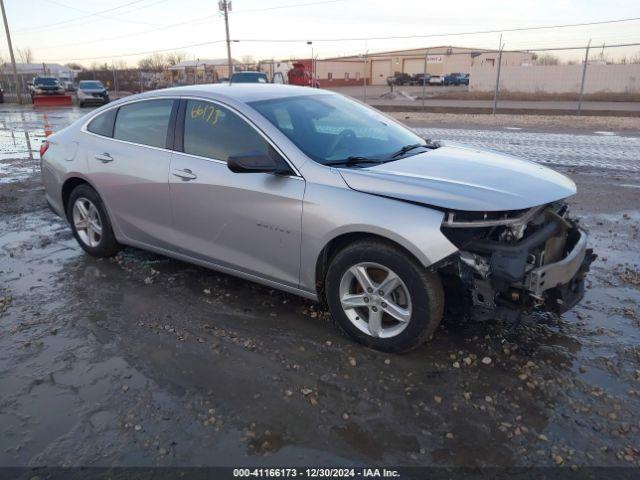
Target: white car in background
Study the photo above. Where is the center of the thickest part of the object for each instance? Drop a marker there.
(436, 80)
(92, 91)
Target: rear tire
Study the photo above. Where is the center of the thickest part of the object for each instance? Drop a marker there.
(90, 223)
(397, 320)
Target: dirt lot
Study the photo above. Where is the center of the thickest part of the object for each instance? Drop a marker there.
(143, 360)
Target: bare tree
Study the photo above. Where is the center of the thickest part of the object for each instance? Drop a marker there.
(119, 65)
(25, 54)
(635, 58)
(153, 63)
(74, 66)
(547, 59)
(248, 61)
(173, 58)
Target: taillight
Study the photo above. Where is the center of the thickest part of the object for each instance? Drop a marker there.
(43, 148)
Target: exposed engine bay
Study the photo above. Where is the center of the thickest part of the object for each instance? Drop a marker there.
(524, 259)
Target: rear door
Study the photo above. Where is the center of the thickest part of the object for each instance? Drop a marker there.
(130, 168)
(246, 221)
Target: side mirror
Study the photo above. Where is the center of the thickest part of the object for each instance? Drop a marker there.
(255, 163)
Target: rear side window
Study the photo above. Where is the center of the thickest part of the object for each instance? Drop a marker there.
(144, 122)
(103, 123)
(216, 132)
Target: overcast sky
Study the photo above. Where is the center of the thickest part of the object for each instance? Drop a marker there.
(75, 30)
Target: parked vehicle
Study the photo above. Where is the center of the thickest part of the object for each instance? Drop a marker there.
(421, 78)
(1, 94)
(456, 79)
(249, 77)
(45, 86)
(436, 80)
(69, 86)
(316, 194)
(400, 79)
(91, 92)
(278, 77)
(299, 75)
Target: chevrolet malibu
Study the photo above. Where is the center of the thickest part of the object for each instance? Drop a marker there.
(318, 195)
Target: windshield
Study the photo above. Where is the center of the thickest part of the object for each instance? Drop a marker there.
(48, 81)
(91, 84)
(329, 128)
(248, 78)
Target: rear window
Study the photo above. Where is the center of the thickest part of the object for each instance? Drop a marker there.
(144, 122)
(249, 78)
(103, 123)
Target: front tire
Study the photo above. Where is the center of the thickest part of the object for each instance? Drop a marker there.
(383, 297)
(90, 223)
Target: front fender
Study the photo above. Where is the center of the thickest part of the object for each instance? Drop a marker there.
(330, 212)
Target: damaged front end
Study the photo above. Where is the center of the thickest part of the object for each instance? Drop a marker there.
(524, 260)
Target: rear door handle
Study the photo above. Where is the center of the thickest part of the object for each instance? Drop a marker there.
(185, 174)
(104, 157)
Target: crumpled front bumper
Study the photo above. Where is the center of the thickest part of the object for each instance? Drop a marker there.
(562, 282)
(545, 269)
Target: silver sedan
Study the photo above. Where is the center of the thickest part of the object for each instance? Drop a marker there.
(316, 194)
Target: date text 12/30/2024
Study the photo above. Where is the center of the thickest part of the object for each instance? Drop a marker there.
(315, 473)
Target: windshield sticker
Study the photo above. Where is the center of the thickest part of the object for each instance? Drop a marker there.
(206, 112)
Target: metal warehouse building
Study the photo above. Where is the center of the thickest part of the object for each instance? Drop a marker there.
(376, 67)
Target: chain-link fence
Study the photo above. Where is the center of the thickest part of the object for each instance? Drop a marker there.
(569, 79)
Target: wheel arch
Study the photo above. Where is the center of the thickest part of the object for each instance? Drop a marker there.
(342, 240)
(68, 186)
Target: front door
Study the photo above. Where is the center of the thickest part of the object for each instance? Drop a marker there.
(246, 221)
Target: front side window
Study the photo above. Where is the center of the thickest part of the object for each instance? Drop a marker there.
(103, 123)
(330, 128)
(144, 122)
(213, 131)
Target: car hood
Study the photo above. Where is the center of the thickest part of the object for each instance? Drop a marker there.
(92, 90)
(463, 178)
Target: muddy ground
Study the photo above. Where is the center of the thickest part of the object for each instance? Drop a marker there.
(144, 360)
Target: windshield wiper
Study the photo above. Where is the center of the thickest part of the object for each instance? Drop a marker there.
(352, 161)
(408, 148)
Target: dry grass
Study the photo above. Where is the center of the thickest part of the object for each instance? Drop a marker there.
(540, 96)
(555, 122)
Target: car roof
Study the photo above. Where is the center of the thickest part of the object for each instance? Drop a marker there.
(242, 92)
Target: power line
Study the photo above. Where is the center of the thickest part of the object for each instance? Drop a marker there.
(370, 54)
(477, 32)
(282, 7)
(41, 27)
(193, 21)
(148, 52)
(109, 17)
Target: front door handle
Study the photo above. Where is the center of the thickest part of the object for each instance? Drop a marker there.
(185, 174)
(104, 157)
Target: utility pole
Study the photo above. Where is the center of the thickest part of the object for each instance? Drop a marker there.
(311, 68)
(13, 59)
(495, 92)
(584, 75)
(424, 77)
(225, 7)
(366, 74)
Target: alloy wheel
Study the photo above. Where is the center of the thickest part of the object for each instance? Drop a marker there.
(86, 220)
(375, 299)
